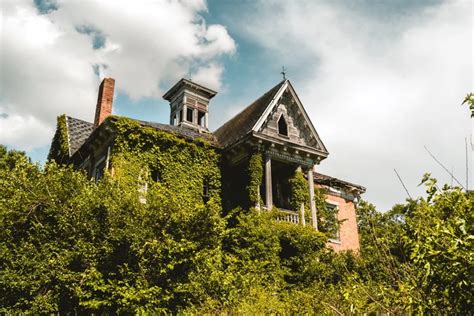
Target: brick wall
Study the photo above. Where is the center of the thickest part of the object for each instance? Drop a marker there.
(348, 232)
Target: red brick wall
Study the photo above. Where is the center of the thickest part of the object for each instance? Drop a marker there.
(104, 101)
(348, 233)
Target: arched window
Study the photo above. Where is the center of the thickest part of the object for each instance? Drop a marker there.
(282, 126)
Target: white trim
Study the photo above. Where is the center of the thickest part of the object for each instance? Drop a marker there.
(335, 241)
(336, 204)
(272, 104)
(308, 120)
(269, 108)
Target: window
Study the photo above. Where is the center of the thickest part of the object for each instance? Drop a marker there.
(330, 224)
(155, 175)
(202, 119)
(282, 126)
(99, 169)
(205, 191)
(189, 115)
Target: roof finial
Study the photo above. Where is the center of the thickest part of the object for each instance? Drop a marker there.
(283, 72)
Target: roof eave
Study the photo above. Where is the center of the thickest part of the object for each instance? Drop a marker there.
(185, 82)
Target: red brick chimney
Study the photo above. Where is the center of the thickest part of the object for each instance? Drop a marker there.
(104, 101)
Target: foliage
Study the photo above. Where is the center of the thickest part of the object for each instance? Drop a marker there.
(72, 245)
(469, 100)
(328, 221)
(59, 151)
(299, 191)
(255, 171)
(184, 167)
(439, 236)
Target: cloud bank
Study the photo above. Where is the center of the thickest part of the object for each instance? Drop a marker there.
(55, 52)
(377, 87)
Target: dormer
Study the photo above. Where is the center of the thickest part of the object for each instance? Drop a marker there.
(189, 104)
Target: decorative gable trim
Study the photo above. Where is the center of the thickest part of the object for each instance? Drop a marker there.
(274, 102)
(270, 106)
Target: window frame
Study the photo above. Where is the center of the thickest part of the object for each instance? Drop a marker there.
(335, 207)
(286, 134)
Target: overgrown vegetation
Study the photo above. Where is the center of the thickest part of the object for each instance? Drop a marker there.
(60, 146)
(71, 245)
(255, 171)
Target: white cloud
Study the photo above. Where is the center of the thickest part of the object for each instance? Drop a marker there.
(378, 90)
(25, 130)
(208, 76)
(48, 60)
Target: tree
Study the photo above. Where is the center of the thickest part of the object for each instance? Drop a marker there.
(469, 100)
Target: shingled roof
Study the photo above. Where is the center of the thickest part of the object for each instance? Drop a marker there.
(241, 124)
(78, 132)
(331, 181)
(187, 133)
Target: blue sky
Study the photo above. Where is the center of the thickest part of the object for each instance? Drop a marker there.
(379, 79)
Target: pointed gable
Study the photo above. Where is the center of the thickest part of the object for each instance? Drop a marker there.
(276, 111)
(286, 119)
(242, 124)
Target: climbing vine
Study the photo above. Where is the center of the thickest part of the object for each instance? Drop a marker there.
(328, 221)
(299, 191)
(255, 171)
(184, 167)
(60, 146)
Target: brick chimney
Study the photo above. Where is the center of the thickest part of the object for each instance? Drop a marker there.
(104, 101)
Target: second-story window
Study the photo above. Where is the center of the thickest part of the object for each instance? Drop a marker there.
(331, 221)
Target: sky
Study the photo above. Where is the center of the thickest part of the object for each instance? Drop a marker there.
(381, 80)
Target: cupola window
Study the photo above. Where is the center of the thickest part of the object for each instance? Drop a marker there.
(189, 115)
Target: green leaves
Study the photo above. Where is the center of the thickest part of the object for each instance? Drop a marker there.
(255, 171)
(299, 191)
(71, 245)
(469, 100)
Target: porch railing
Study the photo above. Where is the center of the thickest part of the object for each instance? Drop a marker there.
(288, 216)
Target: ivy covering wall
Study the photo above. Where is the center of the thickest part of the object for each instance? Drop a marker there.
(255, 171)
(59, 151)
(299, 191)
(186, 168)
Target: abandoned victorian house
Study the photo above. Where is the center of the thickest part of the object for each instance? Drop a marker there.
(274, 134)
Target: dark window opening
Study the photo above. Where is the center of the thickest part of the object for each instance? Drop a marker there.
(189, 115)
(155, 175)
(99, 170)
(282, 126)
(175, 119)
(181, 115)
(202, 119)
(205, 191)
(281, 192)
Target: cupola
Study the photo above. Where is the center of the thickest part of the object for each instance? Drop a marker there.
(189, 104)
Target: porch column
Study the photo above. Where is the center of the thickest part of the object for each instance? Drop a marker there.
(311, 198)
(302, 219)
(268, 182)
